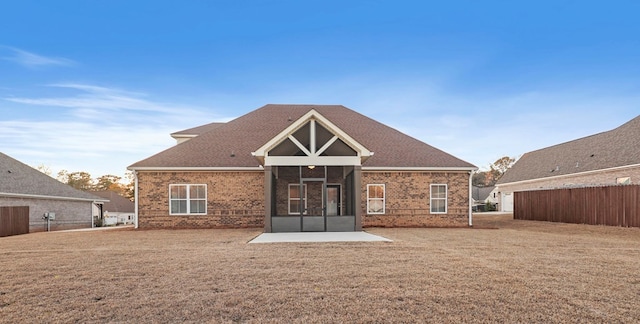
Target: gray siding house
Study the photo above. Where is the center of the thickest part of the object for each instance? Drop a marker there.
(607, 158)
(22, 185)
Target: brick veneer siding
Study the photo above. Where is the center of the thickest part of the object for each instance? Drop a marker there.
(407, 201)
(234, 199)
(69, 214)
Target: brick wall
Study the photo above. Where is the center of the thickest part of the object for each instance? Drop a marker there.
(407, 199)
(234, 199)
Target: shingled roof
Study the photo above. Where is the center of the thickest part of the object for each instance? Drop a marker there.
(195, 131)
(117, 203)
(20, 180)
(615, 148)
(230, 145)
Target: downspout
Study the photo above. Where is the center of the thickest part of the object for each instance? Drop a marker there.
(95, 203)
(470, 198)
(135, 195)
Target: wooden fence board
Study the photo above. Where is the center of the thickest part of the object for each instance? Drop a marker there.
(608, 205)
(14, 220)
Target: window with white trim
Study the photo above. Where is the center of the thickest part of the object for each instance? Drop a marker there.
(187, 199)
(375, 199)
(438, 199)
(294, 199)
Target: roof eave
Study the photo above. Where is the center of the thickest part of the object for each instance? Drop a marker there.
(196, 169)
(568, 175)
(374, 168)
(32, 196)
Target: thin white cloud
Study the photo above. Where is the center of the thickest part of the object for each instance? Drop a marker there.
(100, 130)
(32, 60)
(102, 98)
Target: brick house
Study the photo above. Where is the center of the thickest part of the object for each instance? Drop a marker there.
(607, 158)
(290, 168)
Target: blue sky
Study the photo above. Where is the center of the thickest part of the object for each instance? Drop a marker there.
(98, 85)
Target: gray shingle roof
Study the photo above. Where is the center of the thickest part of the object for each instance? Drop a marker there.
(614, 148)
(117, 203)
(231, 144)
(17, 178)
(198, 130)
(481, 193)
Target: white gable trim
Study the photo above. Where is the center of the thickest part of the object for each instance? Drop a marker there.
(313, 157)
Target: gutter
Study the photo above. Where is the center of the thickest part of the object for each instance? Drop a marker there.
(470, 198)
(15, 195)
(196, 169)
(384, 169)
(135, 199)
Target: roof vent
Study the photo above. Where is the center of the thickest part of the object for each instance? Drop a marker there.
(592, 155)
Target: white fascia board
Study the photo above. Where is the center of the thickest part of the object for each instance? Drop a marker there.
(176, 136)
(307, 160)
(569, 175)
(262, 151)
(30, 196)
(362, 151)
(312, 114)
(197, 169)
(385, 169)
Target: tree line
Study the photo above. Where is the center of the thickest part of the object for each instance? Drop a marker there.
(496, 170)
(82, 180)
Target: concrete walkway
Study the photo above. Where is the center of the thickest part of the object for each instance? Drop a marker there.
(318, 237)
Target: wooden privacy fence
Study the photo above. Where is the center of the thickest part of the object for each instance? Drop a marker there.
(611, 205)
(14, 220)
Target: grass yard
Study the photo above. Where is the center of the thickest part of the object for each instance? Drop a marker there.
(522, 272)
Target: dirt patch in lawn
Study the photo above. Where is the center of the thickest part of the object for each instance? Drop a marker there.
(521, 272)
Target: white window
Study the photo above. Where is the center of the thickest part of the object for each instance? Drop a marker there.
(188, 199)
(294, 199)
(375, 199)
(438, 199)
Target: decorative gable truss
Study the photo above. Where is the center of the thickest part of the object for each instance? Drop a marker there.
(312, 140)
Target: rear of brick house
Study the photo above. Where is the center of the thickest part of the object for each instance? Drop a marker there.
(292, 168)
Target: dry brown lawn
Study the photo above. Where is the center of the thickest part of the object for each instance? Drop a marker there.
(521, 272)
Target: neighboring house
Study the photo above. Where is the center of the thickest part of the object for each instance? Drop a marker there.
(290, 168)
(119, 210)
(607, 158)
(22, 185)
(483, 196)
